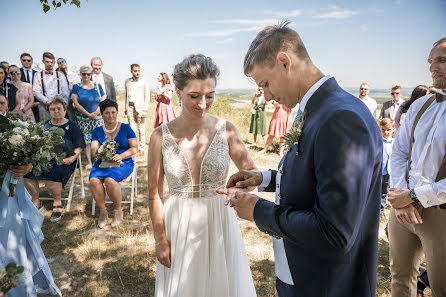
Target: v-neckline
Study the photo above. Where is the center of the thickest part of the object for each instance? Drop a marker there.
(204, 156)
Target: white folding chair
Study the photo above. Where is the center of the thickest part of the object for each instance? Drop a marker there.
(133, 191)
(77, 169)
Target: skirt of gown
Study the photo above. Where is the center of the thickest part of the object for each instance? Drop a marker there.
(20, 238)
(208, 256)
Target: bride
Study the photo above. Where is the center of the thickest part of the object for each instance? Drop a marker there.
(198, 242)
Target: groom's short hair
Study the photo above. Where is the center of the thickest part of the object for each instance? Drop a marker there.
(271, 40)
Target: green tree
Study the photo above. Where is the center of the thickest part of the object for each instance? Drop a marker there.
(47, 4)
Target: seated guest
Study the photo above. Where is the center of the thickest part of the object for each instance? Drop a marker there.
(58, 175)
(7, 89)
(110, 177)
(3, 105)
(24, 95)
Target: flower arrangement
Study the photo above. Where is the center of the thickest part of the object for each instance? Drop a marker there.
(9, 277)
(23, 143)
(292, 138)
(106, 152)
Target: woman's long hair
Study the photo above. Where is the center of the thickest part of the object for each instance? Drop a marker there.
(418, 92)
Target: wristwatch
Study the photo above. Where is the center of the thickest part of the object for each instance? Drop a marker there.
(413, 196)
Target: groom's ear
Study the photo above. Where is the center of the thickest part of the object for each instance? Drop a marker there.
(283, 59)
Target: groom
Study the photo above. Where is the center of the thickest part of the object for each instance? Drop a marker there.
(328, 188)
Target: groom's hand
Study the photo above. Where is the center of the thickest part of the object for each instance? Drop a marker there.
(245, 179)
(244, 204)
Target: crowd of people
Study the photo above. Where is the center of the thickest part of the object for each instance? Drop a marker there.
(338, 172)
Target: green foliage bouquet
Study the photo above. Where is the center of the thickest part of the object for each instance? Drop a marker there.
(9, 277)
(23, 143)
(106, 152)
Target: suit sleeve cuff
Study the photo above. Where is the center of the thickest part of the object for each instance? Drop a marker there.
(265, 218)
(427, 196)
(266, 180)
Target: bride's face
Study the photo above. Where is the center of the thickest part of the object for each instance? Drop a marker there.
(198, 96)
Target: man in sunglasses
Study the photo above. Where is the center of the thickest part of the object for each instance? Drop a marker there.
(364, 90)
(72, 79)
(27, 75)
(390, 108)
(49, 83)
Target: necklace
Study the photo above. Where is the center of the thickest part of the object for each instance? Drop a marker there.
(112, 130)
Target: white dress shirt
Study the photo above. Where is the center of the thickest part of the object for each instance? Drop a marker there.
(395, 107)
(99, 79)
(428, 151)
(73, 79)
(371, 104)
(30, 74)
(138, 92)
(50, 82)
(280, 261)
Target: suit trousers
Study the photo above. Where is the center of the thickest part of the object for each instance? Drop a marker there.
(44, 115)
(407, 244)
(137, 123)
(286, 290)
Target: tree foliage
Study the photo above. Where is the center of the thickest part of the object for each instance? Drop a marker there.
(47, 4)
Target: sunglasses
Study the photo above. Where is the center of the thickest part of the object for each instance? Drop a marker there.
(61, 62)
(26, 60)
(394, 93)
(14, 73)
(85, 74)
(363, 89)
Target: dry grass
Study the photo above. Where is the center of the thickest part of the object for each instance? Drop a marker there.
(87, 261)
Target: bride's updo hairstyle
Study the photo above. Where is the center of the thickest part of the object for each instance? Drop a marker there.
(194, 67)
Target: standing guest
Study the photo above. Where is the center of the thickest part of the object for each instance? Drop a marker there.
(387, 127)
(258, 118)
(7, 89)
(3, 105)
(418, 193)
(24, 95)
(72, 79)
(281, 123)
(110, 177)
(104, 79)
(390, 108)
(49, 83)
(86, 97)
(58, 175)
(6, 65)
(137, 98)
(364, 90)
(28, 76)
(325, 219)
(418, 92)
(164, 110)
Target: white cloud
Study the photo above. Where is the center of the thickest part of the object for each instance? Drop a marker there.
(336, 13)
(283, 14)
(224, 32)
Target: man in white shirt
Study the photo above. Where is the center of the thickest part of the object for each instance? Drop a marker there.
(390, 108)
(137, 97)
(364, 90)
(72, 79)
(417, 222)
(49, 83)
(103, 78)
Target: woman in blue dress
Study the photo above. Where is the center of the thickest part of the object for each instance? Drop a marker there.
(110, 177)
(20, 238)
(86, 97)
(58, 175)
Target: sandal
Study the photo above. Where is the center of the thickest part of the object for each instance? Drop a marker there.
(118, 217)
(104, 214)
(56, 215)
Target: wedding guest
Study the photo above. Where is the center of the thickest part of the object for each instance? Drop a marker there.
(7, 89)
(198, 242)
(24, 95)
(28, 76)
(387, 127)
(364, 90)
(390, 108)
(6, 65)
(3, 105)
(137, 98)
(86, 97)
(107, 179)
(164, 110)
(258, 118)
(418, 193)
(72, 79)
(418, 92)
(104, 79)
(49, 83)
(281, 122)
(58, 176)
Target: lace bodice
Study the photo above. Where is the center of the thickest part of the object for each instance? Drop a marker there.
(213, 170)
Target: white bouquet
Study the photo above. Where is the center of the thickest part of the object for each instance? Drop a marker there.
(106, 152)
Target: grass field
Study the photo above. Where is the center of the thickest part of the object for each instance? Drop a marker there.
(87, 261)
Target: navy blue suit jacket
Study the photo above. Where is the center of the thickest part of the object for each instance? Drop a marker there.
(330, 198)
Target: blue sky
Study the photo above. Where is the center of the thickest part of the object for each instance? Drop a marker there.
(382, 42)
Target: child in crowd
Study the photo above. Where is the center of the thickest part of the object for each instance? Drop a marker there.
(387, 127)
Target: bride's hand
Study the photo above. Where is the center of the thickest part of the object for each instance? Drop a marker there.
(162, 249)
(229, 192)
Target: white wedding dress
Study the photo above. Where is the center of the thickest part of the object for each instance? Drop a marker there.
(208, 256)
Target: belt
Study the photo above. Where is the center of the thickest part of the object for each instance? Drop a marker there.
(442, 206)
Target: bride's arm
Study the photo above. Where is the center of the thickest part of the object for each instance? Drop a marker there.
(237, 149)
(155, 185)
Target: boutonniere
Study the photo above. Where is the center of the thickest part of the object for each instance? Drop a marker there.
(292, 138)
